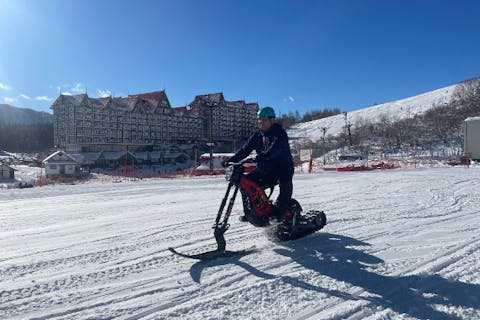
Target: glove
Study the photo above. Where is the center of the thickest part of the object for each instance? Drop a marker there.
(260, 157)
(225, 163)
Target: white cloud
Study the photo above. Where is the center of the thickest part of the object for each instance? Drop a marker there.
(24, 96)
(104, 93)
(9, 100)
(78, 88)
(43, 98)
(67, 89)
(289, 99)
(4, 86)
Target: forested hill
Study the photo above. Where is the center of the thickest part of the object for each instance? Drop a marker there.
(25, 130)
(13, 115)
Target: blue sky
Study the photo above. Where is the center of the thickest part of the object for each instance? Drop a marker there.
(292, 55)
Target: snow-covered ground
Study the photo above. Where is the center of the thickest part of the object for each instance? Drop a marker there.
(394, 111)
(23, 175)
(399, 244)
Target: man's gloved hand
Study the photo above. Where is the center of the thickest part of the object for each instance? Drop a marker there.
(225, 163)
(260, 157)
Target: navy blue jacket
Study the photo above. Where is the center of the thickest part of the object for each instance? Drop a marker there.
(273, 143)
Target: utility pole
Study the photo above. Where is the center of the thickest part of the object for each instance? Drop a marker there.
(324, 130)
(415, 152)
(345, 131)
(210, 144)
(349, 125)
(211, 139)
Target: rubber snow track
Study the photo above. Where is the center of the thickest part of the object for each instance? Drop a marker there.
(399, 244)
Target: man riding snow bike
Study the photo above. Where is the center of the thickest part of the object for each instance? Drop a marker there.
(274, 159)
(274, 166)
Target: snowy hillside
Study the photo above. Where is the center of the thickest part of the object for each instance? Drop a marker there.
(396, 110)
(400, 244)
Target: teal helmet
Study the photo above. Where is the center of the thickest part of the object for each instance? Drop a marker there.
(266, 112)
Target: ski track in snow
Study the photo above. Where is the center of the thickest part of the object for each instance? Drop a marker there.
(399, 244)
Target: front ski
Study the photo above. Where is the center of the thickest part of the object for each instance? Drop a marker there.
(212, 255)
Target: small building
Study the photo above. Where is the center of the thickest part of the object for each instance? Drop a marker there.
(117, 159)
(156, 157)
(471, 143)
(142, 158)
(61, 163)
(217, 159)
(89, 159)
(175, 157)
(6, 172)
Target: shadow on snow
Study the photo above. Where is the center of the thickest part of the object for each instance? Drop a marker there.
(340, 258)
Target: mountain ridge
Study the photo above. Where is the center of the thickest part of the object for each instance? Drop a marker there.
(14, 115)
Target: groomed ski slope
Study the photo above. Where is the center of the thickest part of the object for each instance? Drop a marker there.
(399, 244)
(394, 111)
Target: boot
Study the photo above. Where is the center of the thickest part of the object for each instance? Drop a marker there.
(279, 213)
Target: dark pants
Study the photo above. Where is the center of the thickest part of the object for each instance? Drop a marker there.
(283, 176)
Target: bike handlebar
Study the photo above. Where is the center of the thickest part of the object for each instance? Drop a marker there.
(241, 162)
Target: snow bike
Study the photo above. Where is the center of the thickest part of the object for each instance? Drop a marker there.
(258, 210)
